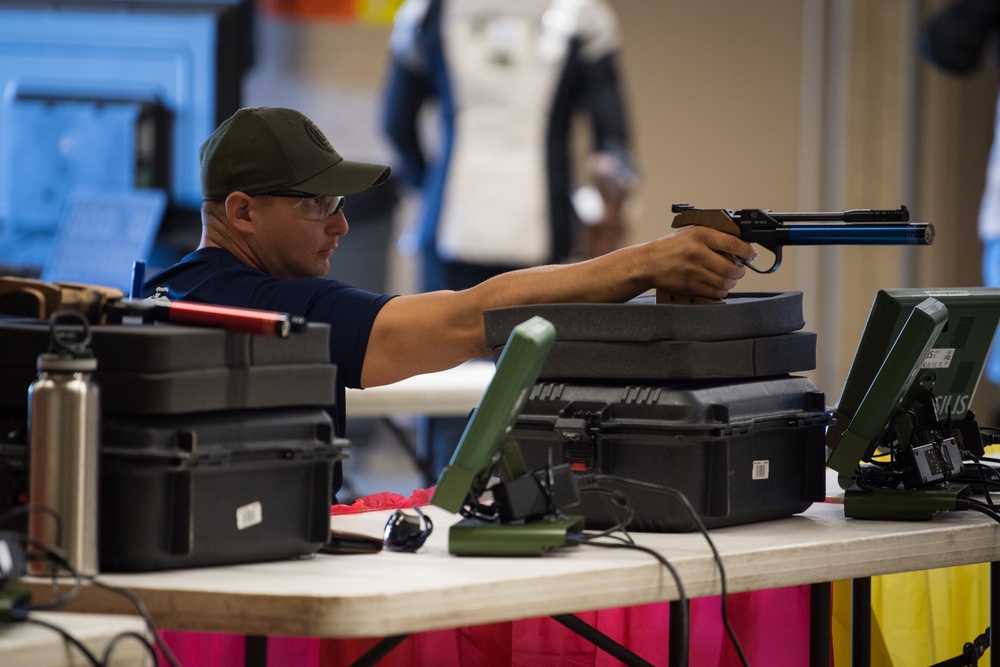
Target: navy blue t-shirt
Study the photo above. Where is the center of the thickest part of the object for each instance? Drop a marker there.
(214, 275)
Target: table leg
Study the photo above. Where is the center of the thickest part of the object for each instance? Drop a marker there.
(994, 614)
(601, 640)
(255, 651)
(679, 633)
(410, 449)
(820, 625)
(379, 651)
(861, 622)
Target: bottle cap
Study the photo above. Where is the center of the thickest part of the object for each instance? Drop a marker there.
(61, 363)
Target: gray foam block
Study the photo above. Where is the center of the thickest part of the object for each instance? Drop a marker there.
(660, 360)
(742, 315)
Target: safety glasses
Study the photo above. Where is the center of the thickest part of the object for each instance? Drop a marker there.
(315, 207)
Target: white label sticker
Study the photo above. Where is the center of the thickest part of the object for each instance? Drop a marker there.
(249, 515)
(761, 469)
(939, 357)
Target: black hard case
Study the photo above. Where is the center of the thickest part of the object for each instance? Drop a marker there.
(198, 425)
(175, 489)
(741, 451)
(193, 490)
(171, 369)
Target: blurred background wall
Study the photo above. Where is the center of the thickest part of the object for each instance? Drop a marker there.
(778, 104)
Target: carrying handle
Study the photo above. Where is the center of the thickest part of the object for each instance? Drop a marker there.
(69, 339)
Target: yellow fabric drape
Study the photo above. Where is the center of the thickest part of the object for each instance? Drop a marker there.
(919, 618)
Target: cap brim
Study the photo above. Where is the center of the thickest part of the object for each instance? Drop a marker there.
(347, 177)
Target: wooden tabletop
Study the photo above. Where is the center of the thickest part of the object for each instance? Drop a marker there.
(393, 593)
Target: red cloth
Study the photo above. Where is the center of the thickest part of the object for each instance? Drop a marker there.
(384, 501)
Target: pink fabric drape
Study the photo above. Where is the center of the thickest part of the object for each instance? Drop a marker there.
(772, 626)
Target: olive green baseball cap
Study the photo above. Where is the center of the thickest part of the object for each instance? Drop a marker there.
(259, 150)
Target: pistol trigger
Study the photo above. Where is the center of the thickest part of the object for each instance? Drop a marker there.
(775, 253)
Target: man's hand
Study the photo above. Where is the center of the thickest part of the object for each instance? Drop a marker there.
(699, 262)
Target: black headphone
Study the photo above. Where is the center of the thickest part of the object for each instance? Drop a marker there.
(405, 532)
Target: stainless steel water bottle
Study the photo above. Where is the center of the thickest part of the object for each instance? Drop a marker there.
(63, 432)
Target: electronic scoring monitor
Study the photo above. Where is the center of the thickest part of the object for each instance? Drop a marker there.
(480, 447)
(919, 362)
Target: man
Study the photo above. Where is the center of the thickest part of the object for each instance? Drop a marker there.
(273, 214)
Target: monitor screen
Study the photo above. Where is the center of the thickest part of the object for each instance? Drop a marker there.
(480, 448)
(110, 94)
(102, 234)
(943, 363)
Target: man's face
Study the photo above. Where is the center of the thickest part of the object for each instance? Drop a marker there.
(297, 235)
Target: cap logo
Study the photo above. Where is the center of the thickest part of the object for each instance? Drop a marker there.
(317, 137)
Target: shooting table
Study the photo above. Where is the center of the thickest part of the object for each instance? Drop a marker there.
(392, 594)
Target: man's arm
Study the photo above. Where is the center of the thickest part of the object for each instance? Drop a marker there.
(422, 333)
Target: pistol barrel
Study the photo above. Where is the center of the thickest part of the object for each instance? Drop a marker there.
(917, 233)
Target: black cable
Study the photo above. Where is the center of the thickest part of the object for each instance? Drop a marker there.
(143, 611)
(894, 437)
(54, 556)
(681, 595)
(621, 523)
(474, 508)
(59, 561)
(970, 459)
(976, 482)
(989, 439)
(989, 436)
(704, 531)
(981, 469)
(979, 506)
(91, 658)
(129, 634)
(41, 551)
(869, 478)
(549, 490)
(25, 617)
